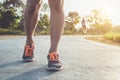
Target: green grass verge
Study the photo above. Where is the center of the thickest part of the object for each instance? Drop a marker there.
(115, 37)
(10, 32)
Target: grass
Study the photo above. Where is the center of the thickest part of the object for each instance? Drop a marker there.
(10, 32)
(109, 38)
(115, 37)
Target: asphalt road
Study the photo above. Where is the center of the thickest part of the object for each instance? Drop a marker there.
(82, 60)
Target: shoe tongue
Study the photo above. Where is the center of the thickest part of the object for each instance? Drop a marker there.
(30, 46)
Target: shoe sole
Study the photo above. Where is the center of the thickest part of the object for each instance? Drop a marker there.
(28, 60)
(54, 69)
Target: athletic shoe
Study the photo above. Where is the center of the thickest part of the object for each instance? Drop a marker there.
(28, 55)
(53, 62)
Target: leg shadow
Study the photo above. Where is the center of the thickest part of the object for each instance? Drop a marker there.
(11, 64)
(35, 74)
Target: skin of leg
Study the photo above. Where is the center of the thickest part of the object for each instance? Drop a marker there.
(31, 18)
(56, 23)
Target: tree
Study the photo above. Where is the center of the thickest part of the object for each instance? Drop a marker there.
(45, 8)
(1, 10)
(99, 22)
(13, 3)
(116, 29)
(72, 19)
(43, 24)
(9, 18)
(44, 21)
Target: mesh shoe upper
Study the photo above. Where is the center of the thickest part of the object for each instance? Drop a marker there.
(28, 53)
(53, 60)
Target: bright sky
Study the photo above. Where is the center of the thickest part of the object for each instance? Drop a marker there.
(83, 7)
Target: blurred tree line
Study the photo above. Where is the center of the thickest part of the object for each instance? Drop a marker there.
(11, 20)
(10, 16)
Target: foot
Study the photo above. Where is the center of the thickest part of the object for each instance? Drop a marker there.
(28, 55)
(53, 62)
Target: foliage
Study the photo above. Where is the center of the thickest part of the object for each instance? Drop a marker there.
(9, 18)
(116, 29)
(99, 22)
(72, 19)
(45, 8)
(113, 37)
(10, 31)
(43, 24)
(44, 21)
(13, 3)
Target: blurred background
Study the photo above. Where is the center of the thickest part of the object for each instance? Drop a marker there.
(101, 17)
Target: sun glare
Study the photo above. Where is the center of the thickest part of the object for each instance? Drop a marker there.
(83, 7)
(110, 11)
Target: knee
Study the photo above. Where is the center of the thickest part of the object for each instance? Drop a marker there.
(56, 5)
(33, 5)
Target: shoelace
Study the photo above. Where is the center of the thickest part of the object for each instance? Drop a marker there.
(53, 57)
(29, 51)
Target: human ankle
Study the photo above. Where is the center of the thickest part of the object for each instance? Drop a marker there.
(30, 42)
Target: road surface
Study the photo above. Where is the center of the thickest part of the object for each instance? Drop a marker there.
(82, 60)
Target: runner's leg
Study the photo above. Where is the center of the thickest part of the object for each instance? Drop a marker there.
(31, 18)
(56, 23)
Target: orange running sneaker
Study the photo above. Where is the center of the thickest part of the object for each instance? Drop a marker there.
(53, 62)
(28, 55)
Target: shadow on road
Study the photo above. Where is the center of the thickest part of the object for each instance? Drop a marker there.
(11, 64)
(35, 74)
(19, 70)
